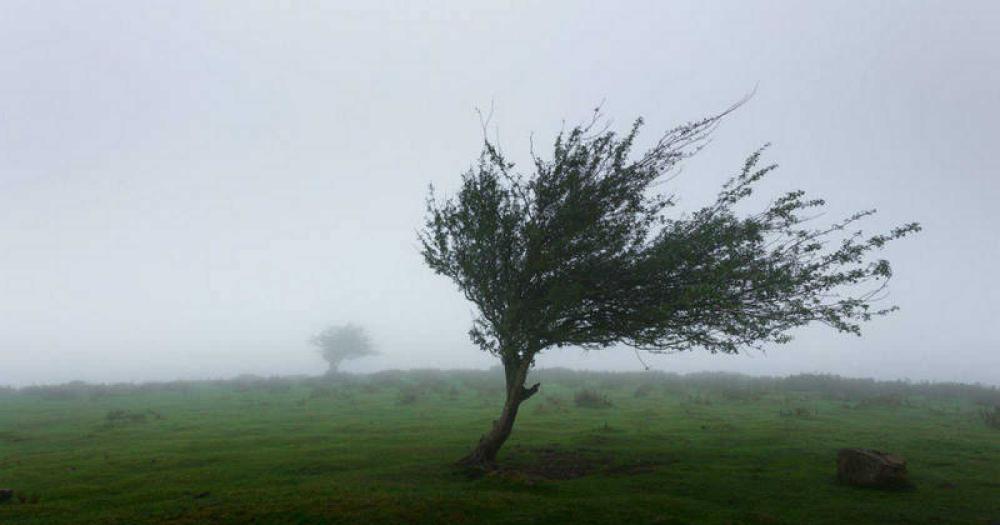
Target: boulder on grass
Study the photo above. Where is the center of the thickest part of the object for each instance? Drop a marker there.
(6, 495)
(863, 467)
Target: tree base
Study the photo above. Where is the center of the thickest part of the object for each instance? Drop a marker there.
(475, 466)
(482, 459)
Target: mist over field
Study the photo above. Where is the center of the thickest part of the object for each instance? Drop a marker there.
(193, 190)
(722, 262)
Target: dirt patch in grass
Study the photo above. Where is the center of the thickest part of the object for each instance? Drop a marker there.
(11, 437)
(561, 463)
(635, 468)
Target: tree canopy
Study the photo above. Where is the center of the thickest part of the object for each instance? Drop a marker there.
(582, 252)
(341, 342)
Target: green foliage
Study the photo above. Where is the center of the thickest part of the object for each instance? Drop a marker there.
(588, 398)
(338, 343)
(990, 415)
(796, 412)
(643, 390)
(581, 252)
(408, 396)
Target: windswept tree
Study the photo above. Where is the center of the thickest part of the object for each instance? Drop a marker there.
(580, 252)
(341, 342)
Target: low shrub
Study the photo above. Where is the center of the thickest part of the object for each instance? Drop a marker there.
(742, 393)
(323, 392)
(119, 417)
(587, 398)
(796, 412)
(551, 404)
(883, 401)
(990, 415)
(643, 390)
(408, 396)
(698, 399)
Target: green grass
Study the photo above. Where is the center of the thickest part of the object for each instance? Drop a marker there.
(380, 450)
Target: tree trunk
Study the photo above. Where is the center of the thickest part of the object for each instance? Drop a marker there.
(483, 457)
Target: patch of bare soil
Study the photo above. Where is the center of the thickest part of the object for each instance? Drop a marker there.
(560, 463)
(634, 468)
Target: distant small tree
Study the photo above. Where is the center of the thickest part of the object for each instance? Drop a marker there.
(581, 253)
(342, 342)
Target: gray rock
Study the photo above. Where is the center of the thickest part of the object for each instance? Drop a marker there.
(862, 467)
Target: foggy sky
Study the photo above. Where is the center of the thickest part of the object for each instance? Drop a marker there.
(191, 189)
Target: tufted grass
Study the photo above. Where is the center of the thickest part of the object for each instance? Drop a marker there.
(379, 449)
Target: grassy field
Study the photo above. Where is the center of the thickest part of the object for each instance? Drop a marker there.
(379, 449)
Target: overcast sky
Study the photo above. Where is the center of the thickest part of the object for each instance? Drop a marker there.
(191, 189)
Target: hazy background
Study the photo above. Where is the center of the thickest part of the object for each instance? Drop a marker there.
(191, 189)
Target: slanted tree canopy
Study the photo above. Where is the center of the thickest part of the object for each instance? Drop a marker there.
(580, 252)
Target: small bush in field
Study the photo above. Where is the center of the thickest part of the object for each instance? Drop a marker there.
(248, 383)
(991, 416)
(486, 389)
(408, 396)
(551, 403)
(26, 499)
(643, 390)
(387, 379)
(115, 417)
(796, 412)
(741, 393)
(587, 398)
(883, 401)
(323, 391)
(698, 399)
